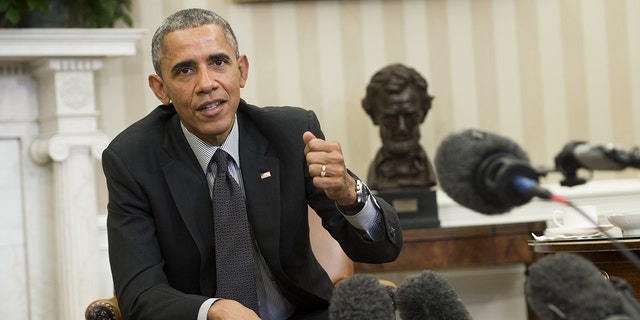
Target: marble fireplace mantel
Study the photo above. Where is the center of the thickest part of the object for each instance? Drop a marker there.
(29, 44)
(48, 126)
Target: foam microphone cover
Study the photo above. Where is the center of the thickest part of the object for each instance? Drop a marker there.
(429, 296)
(458, 161)
(568, 286)
(361, 297)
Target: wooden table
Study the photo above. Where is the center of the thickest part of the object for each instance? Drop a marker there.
(460, 247)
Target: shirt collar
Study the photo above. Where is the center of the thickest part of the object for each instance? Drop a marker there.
(204, 151)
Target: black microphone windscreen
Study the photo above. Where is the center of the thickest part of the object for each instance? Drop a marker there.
(568, 286)
(457, 162)
(361, 297)
(429, 296)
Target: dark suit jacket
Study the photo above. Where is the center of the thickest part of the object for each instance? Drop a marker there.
(160, 226)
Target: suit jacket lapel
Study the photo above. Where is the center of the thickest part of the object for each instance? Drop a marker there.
(261, 178)
(190, 191)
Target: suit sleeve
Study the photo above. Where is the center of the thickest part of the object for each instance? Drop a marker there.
(357, 247)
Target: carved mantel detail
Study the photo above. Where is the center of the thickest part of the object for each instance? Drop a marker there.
(58, 147)
(67, 110)
(12, 69)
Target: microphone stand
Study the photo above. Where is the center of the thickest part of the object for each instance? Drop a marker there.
(567, 163)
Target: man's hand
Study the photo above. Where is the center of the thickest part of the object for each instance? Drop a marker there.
(225, 309)
(327, 167)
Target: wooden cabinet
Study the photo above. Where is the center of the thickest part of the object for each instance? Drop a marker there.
(461, 247)
(600, 252)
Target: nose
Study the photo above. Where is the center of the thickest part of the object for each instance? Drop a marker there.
(402, 123)
(207, 81)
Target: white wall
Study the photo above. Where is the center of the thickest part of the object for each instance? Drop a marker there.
(539, 72)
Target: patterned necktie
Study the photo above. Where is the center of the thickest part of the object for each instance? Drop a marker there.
(235, 270)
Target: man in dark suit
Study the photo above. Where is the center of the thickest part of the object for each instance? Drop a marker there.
(160, 223)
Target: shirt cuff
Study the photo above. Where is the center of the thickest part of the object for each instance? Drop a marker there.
(368, 220)
(204, 308)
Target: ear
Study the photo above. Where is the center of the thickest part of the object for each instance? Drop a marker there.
(243, 66)
(157, 86)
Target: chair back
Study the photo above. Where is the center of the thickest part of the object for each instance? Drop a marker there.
(328, 251)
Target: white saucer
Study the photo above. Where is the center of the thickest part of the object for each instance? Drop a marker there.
(587, 231)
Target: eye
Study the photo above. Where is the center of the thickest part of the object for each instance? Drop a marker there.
(219, 63)
(185, 71)
(219, 60)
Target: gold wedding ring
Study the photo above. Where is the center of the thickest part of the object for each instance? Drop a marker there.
(323, 171)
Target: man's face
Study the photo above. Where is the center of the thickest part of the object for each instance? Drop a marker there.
(399, 117)
(202, 77)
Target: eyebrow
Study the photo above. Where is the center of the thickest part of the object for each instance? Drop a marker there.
(219, 56)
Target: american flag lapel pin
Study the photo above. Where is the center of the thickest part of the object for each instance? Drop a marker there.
(265, 175)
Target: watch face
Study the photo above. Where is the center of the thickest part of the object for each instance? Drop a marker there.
(362, 192)
(359, 195)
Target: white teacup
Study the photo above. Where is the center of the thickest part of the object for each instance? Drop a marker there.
(573, 219)
(628, 222)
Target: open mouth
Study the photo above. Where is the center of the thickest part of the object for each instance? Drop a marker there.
(210, 106)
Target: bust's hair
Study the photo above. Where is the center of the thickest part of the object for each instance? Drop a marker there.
(186, 19)
(393, 79)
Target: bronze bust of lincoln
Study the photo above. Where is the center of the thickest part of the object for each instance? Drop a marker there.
(397, 101)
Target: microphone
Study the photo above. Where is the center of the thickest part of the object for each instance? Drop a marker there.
(567, 286)
(362, 297)
(487, 173)
(429, 296)
(577, 154)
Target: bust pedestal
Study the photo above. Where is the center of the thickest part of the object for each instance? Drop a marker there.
(417, 208)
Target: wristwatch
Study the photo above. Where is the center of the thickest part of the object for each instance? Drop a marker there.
(362, 194)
